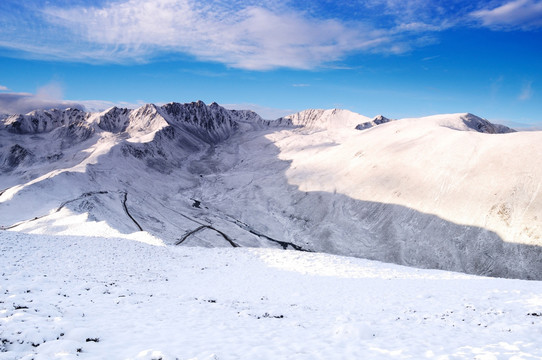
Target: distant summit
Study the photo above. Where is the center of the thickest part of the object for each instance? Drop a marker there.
(377, 120)
(324, 119)
(482, 125)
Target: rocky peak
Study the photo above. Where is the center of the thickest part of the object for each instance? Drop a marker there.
(377, 120)
(42, 121)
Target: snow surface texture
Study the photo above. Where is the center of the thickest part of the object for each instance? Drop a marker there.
(68, 297)
(448, 192)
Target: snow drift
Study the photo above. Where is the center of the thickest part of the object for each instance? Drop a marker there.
(450, 191)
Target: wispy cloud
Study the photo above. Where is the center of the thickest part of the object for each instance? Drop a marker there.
(246, 34)
(48, 96)
(429, 58)
(22, 103)
(301, 85)
(3, 88)
(495, 87)
(517, 14)
(526, 91)
(250, 37)
(254, 35)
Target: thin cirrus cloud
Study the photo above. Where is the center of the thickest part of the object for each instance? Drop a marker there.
(245, 34)
(517, 14)
(526, 91)
(254, 35)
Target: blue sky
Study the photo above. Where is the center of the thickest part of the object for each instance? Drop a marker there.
(403, 58)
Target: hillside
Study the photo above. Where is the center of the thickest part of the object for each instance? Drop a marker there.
(67, 297)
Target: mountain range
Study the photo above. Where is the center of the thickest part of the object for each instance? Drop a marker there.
(450, 191)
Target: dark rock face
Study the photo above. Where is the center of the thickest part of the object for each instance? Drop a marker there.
(75, 133)
(212, 117)
(483, 126)
(115, 120)
(210, 124)
(379, 119)
(17, 154)
(43, 121)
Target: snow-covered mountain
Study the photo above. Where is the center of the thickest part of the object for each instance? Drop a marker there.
(449, 191)
(319, 119)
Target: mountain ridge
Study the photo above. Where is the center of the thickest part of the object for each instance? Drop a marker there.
(407, 191)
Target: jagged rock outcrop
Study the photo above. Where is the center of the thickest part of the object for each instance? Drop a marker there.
(42, 121)
(15, 156)
(212, 123)
(114, 120)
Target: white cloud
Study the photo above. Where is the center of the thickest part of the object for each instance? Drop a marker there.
(248, 34)
(50, 91)
(22, 103)
(517, 14)
(526, 91)
(3, 88)
(48, 96)
(251, 37)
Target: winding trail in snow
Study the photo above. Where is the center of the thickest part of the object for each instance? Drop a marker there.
(246, 227)
(202, 227)
(124, 200)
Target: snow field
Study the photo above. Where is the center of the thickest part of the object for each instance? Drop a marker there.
(67, 297)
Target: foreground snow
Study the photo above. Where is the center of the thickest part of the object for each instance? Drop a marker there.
(71, 297)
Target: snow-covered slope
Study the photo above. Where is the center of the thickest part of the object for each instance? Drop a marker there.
(447, 191)
(66, 297)
(319, 119)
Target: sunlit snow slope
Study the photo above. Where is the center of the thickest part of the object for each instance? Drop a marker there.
(83, 297)
(450, 191)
